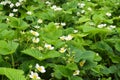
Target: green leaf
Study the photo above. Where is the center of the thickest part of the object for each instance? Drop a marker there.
(72, 66)
(7, 47)
(117, 46)
(102, 46)
(18, 23)
(7, 34)
(12, 74)
(62, 70)
(83, 19)
(75, 78)
(41, 56)
(81, 55)
(3, 26)
(51, 54)
(34, 53)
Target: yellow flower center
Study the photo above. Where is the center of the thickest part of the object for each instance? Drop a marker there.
(39, 68)
(34, 77)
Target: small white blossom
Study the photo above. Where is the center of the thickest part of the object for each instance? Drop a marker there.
(40, 68)
(62, 50)
(76, 73)
(48, 3)
(21, 0)
(97, 54)
(62, 37)
(29, 13)
(37, 27)
(57, 24)
(35, 40)
(11, 14)
(101, 25)
(108, 14)
(7, 20)
(40, 21)
(15, 10)
(55, 8)
(89, 8)
(34, 75)
(75, 31)
(81, 5)
(58, 9)
(88, 0)
(11, 5)
(111, 27)
(63, 24)
(3, 3)
(48, 46)
(78, 13)
(34, 33)
(82, 11)
(69, 37)
(17, 4)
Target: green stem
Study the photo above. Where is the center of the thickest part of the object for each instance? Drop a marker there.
(13, 65)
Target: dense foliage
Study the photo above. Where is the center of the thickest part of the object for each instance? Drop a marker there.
(59, 39)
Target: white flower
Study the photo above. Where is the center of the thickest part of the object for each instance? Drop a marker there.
(82, 11)
(76, 73)
(15, 10)
(57, 25)
(62, 37)
(3, 3)
(81, 5)
(112, 26)
(35, 40)
(62, 50)
(29, 13)
(37, 27)
(21, 0)
(40, 68)
(108, 14)
(40, 21)
(11, 5)
(89, 8)
(69, 37)
(48, 3)
(48, 46)
(88, 0)
(34, 33)
(17, 4)
(58, 9)
(11, 14)
(78, 13)
(63, 24)
(55, 8)
(75, 31)
(101, 25)
(34, 75)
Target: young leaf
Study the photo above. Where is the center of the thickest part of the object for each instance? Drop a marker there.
(12, 74)
(7, 47)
